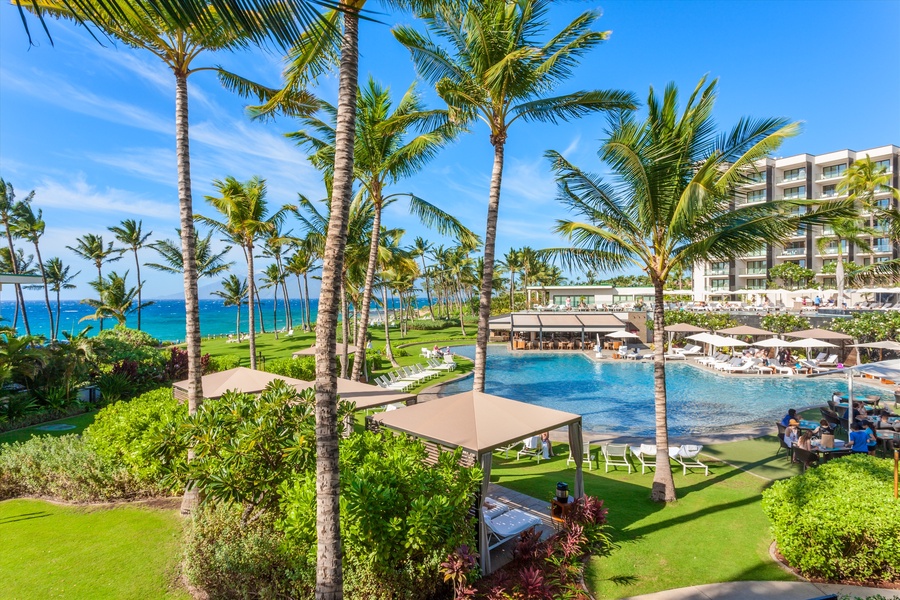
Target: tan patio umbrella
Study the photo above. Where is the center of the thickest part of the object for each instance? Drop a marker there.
(311, 351)
(362, 394)
(822, 334)
(241, 379)
(682, 328)
(881, 346)
(622, 334)
(745, 330)
(479, 424)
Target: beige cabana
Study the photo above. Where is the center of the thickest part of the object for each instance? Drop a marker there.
(249, 381)
(819, 334)
(311, 351)
(745, 330)
(479, 424)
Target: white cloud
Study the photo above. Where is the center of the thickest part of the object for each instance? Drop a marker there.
(77, 195)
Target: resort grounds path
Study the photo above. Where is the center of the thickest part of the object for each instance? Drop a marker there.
(757, 590)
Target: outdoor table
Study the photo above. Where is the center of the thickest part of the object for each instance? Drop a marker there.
(845, 405)
(863, 399)
(810, 425)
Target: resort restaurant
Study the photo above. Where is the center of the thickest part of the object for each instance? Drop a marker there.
(569, 331)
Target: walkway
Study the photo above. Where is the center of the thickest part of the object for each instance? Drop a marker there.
(758, 590)
(540, 508)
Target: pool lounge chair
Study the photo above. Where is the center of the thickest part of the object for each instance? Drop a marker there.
(830, 361)
(493, 508)
(616, 455)
(746, 367)
(531, 447)
(508, 525)
(686, 456)
(646, 455)
(587, 456)
(813, 367)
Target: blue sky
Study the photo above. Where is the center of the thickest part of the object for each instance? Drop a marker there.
(91, 127)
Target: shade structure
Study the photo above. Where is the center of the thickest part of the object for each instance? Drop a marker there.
(623, 335)
(311, 351)
(556, 322)
(242, 379)
(886, 369)
(684, 328)
(819, 334)
(717, 340)
(745, 330)
(703, 338)
(885, 345)
(480, 423)
(363, 395)
(771, 343)
(810, 343)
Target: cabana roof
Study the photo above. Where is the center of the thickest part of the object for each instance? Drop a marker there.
(311, 351)
(684, 328)
(249, 381)
(819, 334)
(745, 330)
(553, 322)
(476, 422)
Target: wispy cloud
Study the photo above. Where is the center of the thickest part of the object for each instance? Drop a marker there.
(77, 195)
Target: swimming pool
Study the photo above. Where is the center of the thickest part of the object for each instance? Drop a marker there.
(616, 396)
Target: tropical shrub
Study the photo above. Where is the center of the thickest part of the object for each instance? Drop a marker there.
(838, 521)
(400, 517)
(130, 433)
(176, 367)
(707, 320)
(123, 345)
(115, 386)
(873, 326)
(222, 363)
(785, 323)
(303, 367)
(65, 468)
(231, 559)
(437, 324)
(17, 406)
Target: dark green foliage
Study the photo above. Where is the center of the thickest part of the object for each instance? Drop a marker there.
(873, 326)
(400, 517)
(128, 433)
(223, 363)
(785, 323)
(303, 367)
(64, 468)
(791, 275)
(839, 521)
(706, 320)
(17, 406)
(437, 324)
(120, 344)
(116, 386)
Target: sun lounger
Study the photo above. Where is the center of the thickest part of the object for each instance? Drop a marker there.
(830, 361)
(508, 525)
(616, 455)
(587, 456)
(531, 447)
(813, 368)
(492, 508)
(686, 456)
(646, 455)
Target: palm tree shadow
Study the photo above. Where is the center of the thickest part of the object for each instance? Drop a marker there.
(23, 517)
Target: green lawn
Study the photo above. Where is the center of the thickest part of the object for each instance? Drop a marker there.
(757, 456)
(20, 435)
(51, 551)
(715, 532)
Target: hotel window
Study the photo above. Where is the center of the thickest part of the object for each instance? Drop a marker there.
(794, 174)
(883, 203)
(881, 245)
(795, 249)
(758, 251)
(756, 284)
(829, 261)
(833, 171)
(799, 263)
(829, 191)
(756, 196)
(883, 164)
(718, 285)
(829, 282)
(756, 267)
(718, 268)
(880, 259)
(757, 177)
(620, 299)
(794, 193)
(867, 262)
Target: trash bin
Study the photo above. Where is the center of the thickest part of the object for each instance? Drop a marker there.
(562, 491)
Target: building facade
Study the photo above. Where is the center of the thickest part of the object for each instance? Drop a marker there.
(803, 176)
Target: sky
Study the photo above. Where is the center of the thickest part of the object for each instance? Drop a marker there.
(90, 127)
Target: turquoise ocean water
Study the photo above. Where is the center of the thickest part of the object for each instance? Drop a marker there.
(163, 320)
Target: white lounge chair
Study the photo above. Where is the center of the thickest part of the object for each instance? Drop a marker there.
(813, 367)
(686, 456)
(493, 508)
(616, 455)
(508, 525)
(746, 367)
(587, 456)
(531, 447)
(646, 454)
(830, 361)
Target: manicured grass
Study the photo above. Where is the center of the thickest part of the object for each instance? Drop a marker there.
(715, 532)
(757, 456)
(20, 435)
(51, 551)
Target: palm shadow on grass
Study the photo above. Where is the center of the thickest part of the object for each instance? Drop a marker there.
(23, 517)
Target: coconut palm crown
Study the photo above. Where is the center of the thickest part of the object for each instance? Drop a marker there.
(671, 204)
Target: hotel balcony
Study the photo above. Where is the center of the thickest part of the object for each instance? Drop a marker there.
(793, 252)
(747, 200)
(753, 273)
(830, 176)
(796, 179)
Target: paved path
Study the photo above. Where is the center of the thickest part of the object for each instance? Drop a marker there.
(769, 590)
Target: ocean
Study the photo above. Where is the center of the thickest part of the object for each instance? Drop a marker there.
(164, 319)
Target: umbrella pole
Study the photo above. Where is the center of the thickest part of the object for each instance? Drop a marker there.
(849, 403)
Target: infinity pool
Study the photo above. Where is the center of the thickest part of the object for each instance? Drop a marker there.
(616, 396)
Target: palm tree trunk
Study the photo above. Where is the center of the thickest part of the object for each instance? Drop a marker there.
(663, 489)
(512, 290)
(237, 325)
(308, 325)
(37, 251)
(462, 320)
(487, 277)
(427, 287)
(839, 275)
(300, 301)
(345, 334)
(99, 283)
(288, 315)
(56, 328)
(137, 265)
(388, 352)
(189, 260)
(20, 298)
(262, 324)
(251, 315)
(329, 574)
(366, 301)
(275, 310)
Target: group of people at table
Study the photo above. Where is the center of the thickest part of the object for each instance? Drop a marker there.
(863, 438)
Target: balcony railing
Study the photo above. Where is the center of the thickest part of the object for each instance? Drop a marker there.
(793, 252)
(831, 175)
(718, 272)
(789, 178)
(881, 248)
(757, 271)
(750, 200)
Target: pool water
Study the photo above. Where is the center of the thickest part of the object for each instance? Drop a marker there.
(616, 396)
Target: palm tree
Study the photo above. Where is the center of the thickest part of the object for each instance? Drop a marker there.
(301, 263)
(670, 205)
(7, 206)
(512, 263)
(90, 247)
(274, 248)
(862, 182)
(117, 300)
(844, 232)
(57, 276)
(245, 210)
(496, 70)
(130, 234)
(273, 278)
(209, 262)
(29, 226)
(420, 248)
(233, 292)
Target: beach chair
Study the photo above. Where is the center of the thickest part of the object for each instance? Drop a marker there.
(616, 455)
(587, 456)
(505, 449)
(746, 367)
(686, 456)
(813, 367)
(508, 525)
(448, 360)
(830, 361)
(531, 447)
(646, 455)
(493, 508)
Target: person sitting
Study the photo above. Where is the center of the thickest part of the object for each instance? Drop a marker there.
(546, 444)
(791, 435)
(790, 416)
(884, 420)
(859, 439)
(836, 397)
(805, 441)
(824, 428)
(859, 411)
(436, 351)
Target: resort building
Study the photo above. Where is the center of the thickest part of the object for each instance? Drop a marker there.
(802, 176)
(594, 297)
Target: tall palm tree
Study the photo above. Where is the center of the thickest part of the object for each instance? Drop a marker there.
(209, 262)
(274, 248)
(130, 233)
(864, 180)
(116, 300)
(670, 205)
(90, 247)
(233, 292)
(512, 263)
(301, 263)
(496, 69)
(273, 278)
(7, 206)
(246, 218)
(420, 248)
(529, 265)
(844, 232)
(57, 276)
(30, 226)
